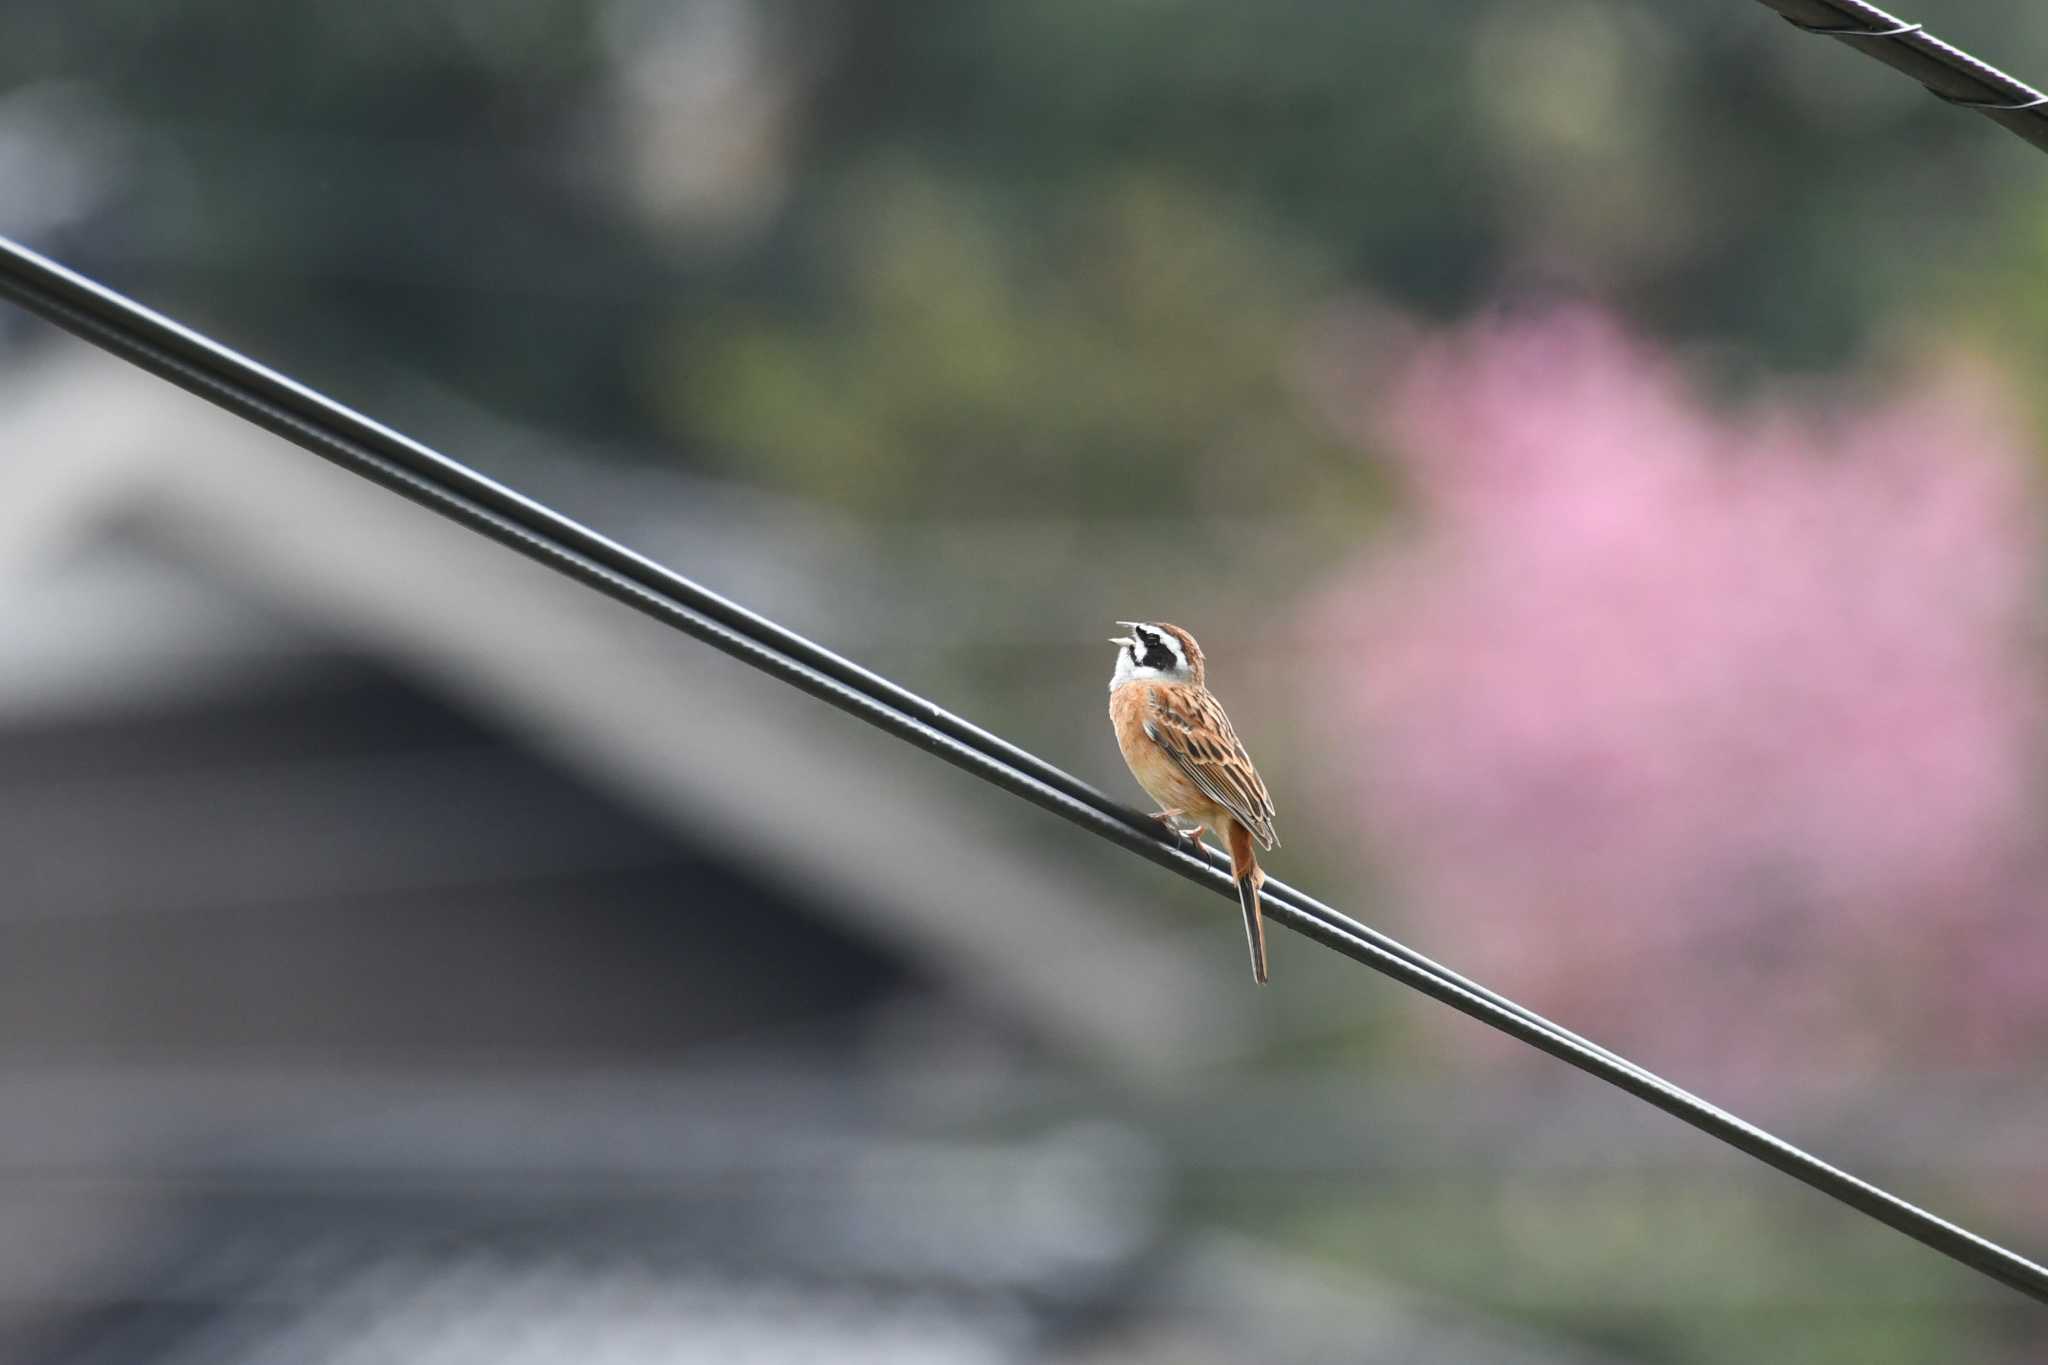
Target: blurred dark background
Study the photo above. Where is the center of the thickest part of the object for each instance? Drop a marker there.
(1597, 444)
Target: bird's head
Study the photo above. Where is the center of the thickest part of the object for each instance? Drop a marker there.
(1155, 650)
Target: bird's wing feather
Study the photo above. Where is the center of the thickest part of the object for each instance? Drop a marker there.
(1191, 727)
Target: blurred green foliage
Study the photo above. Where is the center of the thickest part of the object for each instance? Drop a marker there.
(1136, 328)
(1008, 239)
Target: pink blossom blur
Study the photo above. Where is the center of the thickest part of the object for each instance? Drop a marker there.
(1713, 734)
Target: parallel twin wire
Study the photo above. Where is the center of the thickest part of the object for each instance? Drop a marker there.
(326, 428)
(355, 442)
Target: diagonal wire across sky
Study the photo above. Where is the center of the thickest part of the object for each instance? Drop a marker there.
(318, 424)
(326, 428)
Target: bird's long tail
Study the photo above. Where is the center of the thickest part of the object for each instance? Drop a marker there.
(1244, 870)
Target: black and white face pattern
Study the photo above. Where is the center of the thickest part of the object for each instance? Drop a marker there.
(1149, 652)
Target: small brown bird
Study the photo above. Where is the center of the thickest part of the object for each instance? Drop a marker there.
(1185, 755)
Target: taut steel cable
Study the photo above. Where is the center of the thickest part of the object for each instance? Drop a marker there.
(1948, 72)
(355, 442)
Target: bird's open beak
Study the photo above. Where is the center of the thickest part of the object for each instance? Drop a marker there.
(1122, 640)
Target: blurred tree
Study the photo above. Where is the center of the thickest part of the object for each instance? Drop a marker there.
(1125, 349)
(1744, 708)
(542, 204)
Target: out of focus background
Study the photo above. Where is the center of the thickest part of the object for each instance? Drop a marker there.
(1597, 442)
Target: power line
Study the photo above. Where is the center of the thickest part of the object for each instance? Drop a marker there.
(1948, 72)
(355, 442)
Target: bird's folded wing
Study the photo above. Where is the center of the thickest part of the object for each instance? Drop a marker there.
(1197, 735)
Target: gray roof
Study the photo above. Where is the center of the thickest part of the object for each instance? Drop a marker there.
(103, 458)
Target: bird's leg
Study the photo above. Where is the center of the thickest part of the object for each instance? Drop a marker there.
(1181, 836)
